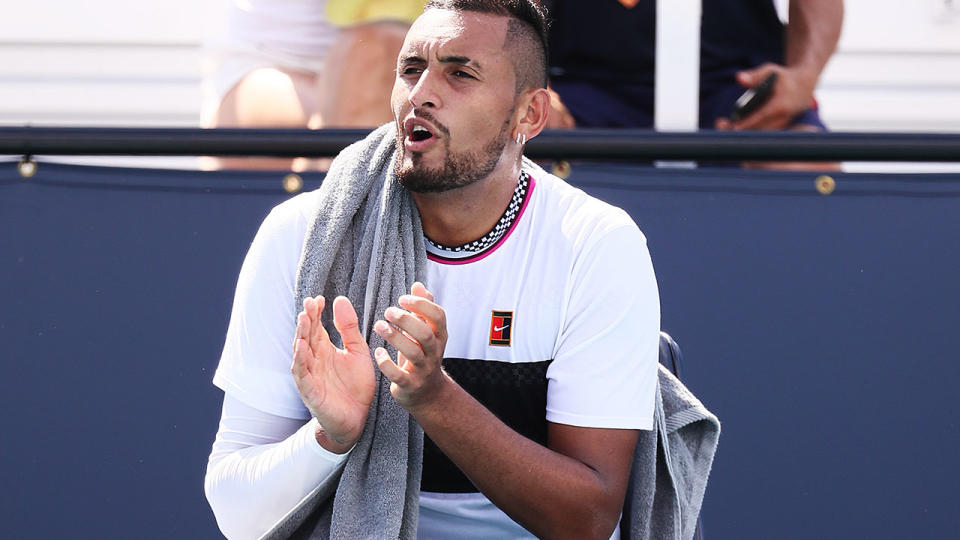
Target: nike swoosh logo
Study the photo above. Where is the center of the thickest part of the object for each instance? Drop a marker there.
(499, 328)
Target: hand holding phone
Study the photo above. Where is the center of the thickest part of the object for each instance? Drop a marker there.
(753, 98)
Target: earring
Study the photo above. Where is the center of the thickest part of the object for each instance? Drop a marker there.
(521, 138)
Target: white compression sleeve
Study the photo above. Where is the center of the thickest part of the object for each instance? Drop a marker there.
(261, 466)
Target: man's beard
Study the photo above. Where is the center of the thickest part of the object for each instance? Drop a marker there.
(459, 170)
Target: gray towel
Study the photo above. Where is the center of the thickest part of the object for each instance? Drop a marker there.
(671, 465)
(366, 243)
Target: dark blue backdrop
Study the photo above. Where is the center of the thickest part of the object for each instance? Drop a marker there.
(820, 329)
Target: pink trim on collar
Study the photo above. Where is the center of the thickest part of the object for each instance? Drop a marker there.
(483, 254)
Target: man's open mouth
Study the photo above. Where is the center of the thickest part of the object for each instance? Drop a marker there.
(420, 133)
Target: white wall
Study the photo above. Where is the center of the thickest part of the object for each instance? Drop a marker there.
(897, 68)
(102, 62)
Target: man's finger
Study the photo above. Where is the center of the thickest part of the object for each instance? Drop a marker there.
(416, 326)
(723, 124)
(310, 305)
(749, 78)
(314, 306)
(404, 344)
(421, 305)
(302, 358)
(428, 311)
(419, 289)
(317, 334)
(345, 320)
(746, 79)
(303, 327)
(298, 333)
(766, 117)
(392, 371)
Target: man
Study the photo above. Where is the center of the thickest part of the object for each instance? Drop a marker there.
(609, 82)
(527, 355)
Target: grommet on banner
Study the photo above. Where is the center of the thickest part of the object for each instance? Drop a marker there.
(561, 169)
(292, 183)
(27, 167)
(825, 184)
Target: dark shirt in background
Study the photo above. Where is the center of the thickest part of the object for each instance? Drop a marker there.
(602, 57)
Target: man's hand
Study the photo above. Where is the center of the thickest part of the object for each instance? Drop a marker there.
(419, 333)
(792, 94)
(336, 385)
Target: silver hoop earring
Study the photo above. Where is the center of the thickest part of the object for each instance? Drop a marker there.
(521, 138)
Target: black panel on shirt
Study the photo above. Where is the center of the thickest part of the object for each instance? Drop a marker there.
(515, 393)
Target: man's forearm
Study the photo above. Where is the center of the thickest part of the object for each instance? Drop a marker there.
(549, 493)
(812, 35)
(261, 466)
(573, 489)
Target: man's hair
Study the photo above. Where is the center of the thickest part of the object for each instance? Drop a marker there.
(526, 34)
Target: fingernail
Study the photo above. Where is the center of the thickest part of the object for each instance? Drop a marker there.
(381, 326)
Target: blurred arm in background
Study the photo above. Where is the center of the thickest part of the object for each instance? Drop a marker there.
(811, 38)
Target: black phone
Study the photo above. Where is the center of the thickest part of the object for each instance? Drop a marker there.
(753, 98)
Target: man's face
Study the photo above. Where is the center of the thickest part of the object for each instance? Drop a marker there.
(453, 100)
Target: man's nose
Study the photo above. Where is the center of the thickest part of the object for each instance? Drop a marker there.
(425, 93)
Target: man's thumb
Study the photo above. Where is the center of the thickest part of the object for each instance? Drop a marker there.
(749, 78)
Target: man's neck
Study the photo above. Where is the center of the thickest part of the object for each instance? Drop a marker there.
(465, 214)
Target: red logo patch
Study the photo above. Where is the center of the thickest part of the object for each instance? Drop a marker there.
(501, 327)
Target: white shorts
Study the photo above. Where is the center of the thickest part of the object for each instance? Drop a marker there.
(224, 66)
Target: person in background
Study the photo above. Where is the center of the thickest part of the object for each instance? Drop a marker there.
(286, 64)
(608, 81)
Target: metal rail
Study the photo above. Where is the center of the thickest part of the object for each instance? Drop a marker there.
(582, 144)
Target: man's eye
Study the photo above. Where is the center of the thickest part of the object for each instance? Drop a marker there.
(411, 71)
(463, 74)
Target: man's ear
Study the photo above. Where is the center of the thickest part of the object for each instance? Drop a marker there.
(532, 109)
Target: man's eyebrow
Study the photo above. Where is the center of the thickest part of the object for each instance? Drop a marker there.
(412, 59)
(462, 60)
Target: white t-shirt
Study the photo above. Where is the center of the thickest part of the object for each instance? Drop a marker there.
(569, 291)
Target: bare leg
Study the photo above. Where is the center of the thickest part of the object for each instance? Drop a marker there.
(270, 98)
(360, 97)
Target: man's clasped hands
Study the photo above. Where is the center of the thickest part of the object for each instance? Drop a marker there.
(337, 385)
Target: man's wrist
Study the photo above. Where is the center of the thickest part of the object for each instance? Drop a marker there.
(328, 443)
(807, 72)
(437, 399)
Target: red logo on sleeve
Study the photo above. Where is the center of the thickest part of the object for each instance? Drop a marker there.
(501, 327)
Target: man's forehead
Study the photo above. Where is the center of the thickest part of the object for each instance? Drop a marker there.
(467, 31)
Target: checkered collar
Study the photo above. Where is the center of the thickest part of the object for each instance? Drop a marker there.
(502, 226)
